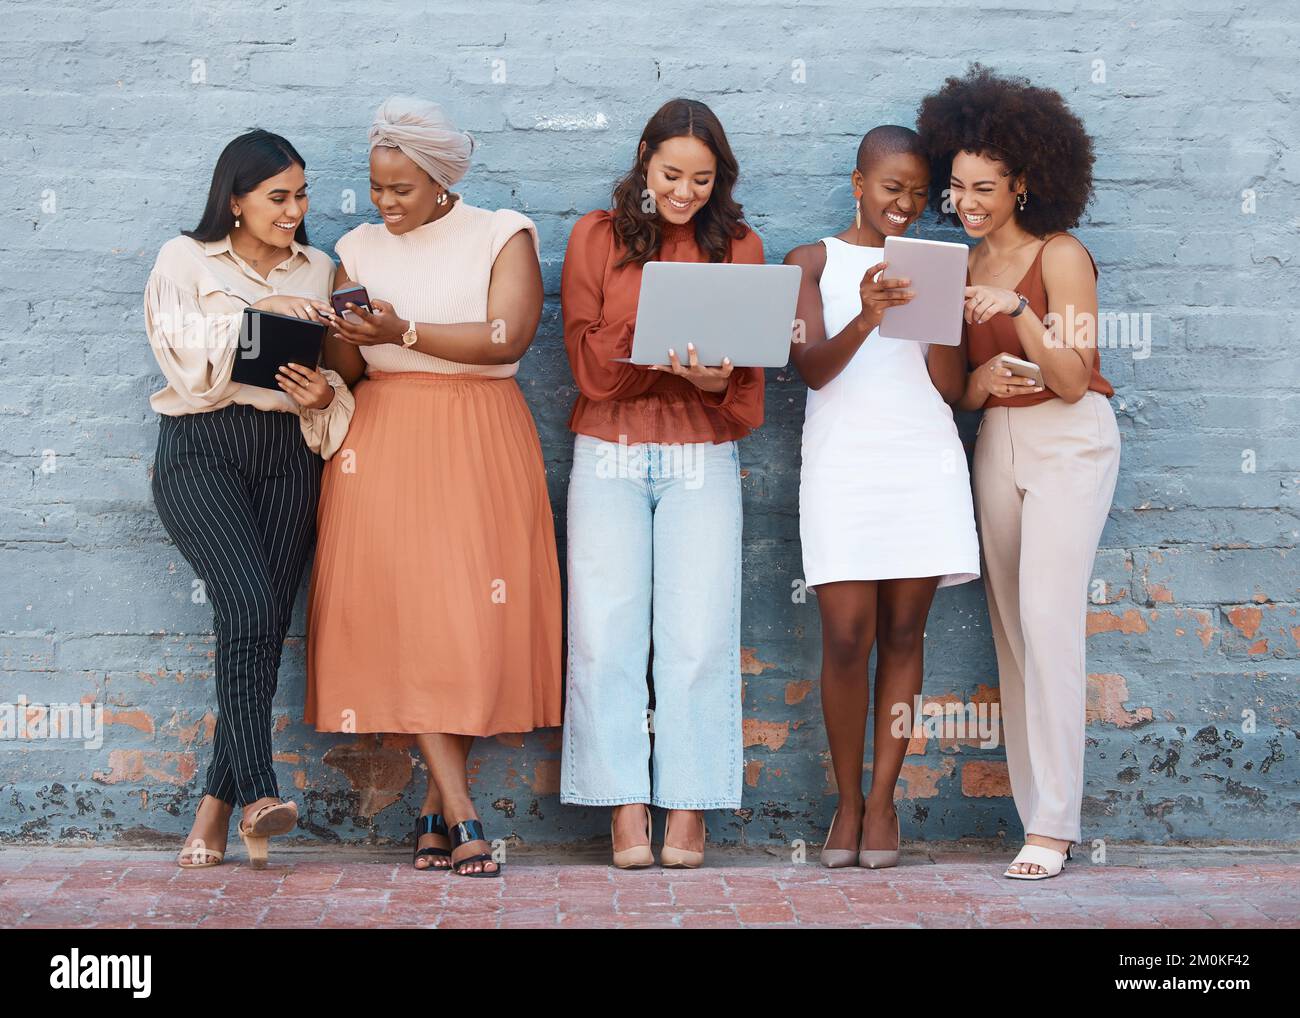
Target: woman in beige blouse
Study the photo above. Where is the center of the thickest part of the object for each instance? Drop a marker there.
(435, 600)
(236, 477)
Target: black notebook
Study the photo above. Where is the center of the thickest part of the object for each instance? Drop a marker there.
(267, 340)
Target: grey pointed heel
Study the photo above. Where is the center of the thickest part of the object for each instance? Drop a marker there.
(835, 858)
(882, 858)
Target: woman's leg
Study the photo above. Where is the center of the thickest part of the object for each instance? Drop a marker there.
(848, 615)
(446, 757)
(698, 757)
(903, 606)
(1070, 458)
(202, 497)
(605, 755)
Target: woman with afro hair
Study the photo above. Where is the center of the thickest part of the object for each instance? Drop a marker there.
(1012, 165)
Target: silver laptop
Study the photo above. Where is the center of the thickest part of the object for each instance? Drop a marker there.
(745, 312)
(937, 270)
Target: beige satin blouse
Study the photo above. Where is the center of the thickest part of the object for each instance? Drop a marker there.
(193, 304)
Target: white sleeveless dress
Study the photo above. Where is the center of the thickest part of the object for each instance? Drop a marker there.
(884, 492)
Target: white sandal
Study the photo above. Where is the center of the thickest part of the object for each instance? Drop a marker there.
(1048, 858)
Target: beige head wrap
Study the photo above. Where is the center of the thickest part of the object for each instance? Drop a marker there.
(425, 135)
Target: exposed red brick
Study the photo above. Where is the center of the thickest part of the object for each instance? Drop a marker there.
(753, 768)
(750, 664)
(1108, 622)
(136, 766)
(1106, 696)
(985, 779)
(1159, 592)
(546, 778)
(136, 719)
(1207, 630)
(378, 772)
(1246, 619)
(921, 782)
(770, 734)
(797, 690)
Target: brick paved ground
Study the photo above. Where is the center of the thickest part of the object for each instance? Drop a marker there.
(936, 886)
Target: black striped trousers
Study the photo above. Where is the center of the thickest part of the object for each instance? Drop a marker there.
(236, 489)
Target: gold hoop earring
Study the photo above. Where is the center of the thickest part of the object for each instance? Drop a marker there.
(1022, 199)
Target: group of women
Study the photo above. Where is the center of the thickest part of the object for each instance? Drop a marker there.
(434, 607)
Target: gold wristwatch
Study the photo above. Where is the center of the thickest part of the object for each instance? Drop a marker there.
(410, 336)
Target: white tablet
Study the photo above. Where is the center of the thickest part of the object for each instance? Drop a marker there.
(745, 312)
(937, 270)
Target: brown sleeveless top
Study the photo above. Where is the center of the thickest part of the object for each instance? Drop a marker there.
(998, 335)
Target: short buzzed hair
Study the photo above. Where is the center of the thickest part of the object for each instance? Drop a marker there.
(888, 140)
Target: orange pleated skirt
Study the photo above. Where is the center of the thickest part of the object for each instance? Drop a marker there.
(435, 595)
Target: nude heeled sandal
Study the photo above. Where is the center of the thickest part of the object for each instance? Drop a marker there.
(197, 853)
(882, 858)
(273, 818)
(675, 858)
(199, 856)
(638, 856)
(836, 858)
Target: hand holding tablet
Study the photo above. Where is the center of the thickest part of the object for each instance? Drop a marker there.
(936, 271)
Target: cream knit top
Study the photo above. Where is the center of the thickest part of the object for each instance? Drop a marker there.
(437, 273)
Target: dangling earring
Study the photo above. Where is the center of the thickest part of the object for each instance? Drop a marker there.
(857, 207)
(442, 198)
(236, 220)
(1022, 199)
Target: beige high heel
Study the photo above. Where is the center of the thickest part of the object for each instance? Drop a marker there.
(835, 858)
(680, 858)
(638, 856)
(273, 818)
(196, 855)
(881, 858)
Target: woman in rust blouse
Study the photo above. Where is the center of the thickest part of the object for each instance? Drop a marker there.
(654, 513)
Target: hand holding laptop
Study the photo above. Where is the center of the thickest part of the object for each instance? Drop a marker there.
(706, 378)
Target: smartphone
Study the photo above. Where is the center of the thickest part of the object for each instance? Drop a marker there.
(1023, 368)
(355, 295)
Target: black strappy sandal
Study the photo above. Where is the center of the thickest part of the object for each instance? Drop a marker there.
(431, 823)
(466, 831)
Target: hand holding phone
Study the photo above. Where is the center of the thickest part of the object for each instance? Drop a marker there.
(1022, 368)
(354, 294)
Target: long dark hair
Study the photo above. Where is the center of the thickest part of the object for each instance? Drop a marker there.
(716, 223)
(243, 164)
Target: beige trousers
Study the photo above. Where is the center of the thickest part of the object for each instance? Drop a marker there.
(1044, 476)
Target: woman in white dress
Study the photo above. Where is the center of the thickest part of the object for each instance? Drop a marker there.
(885, 513)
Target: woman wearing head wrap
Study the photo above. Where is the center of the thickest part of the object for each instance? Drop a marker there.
(435, 601)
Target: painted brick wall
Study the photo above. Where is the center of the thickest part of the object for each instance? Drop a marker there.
(113, 114)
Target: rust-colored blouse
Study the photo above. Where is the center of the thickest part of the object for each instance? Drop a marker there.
(598, 302)
(998, 335)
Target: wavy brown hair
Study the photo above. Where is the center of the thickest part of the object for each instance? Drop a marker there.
(1027, 128)
(716, 223)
